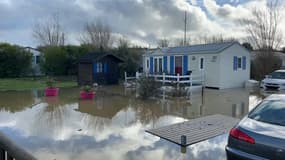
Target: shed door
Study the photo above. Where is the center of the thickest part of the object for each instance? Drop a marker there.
(178, 65)
(85, 75)
(111, 71)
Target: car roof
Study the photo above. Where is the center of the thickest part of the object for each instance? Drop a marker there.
(275, 97)
(280, 70)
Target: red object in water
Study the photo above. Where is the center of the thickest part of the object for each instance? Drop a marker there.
(87, 95)
(51, 91)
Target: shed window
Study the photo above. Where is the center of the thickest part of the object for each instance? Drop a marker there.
(239, 62)
(99, 67)
(201, 63)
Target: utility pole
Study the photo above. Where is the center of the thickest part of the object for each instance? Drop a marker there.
(185, 28)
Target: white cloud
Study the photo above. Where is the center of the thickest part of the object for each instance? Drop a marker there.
(143, 21)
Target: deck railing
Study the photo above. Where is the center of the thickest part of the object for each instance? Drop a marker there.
(187, 80)
(10, 151)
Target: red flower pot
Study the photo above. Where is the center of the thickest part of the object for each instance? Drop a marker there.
(87, 95)
(51, 92)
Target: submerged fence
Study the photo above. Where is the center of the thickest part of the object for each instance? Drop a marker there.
(10, 151)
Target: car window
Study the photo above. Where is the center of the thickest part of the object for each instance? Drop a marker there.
(270, 112)
(278, 75)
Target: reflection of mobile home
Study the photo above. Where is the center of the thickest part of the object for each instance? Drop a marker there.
(231, 102)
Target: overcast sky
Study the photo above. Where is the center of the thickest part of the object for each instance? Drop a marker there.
(141, 21)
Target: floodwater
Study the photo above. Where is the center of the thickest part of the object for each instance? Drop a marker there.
(112, 126)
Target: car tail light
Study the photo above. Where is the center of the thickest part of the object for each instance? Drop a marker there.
(236, 133)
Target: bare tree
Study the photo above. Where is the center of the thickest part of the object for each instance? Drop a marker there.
(264, 33)
(98, 35)
(213, 39)
(163, 42)
(123, 43)
(263, 27)
(181, 42)
(49, 32)
(202, 39)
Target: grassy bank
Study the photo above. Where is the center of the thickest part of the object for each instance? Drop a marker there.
(33, 83)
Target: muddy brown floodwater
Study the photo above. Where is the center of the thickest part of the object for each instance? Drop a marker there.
(112, 126)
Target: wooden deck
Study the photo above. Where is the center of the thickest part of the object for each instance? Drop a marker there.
(195, 130)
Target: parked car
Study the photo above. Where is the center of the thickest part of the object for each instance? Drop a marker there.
(275, 80)
(261, 134)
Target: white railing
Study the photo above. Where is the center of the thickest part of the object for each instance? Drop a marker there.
(176, 79)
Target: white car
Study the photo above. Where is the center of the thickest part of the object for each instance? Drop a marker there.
(275, 80)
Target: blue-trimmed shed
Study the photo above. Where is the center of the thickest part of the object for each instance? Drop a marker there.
(223, 65)
(101, 68)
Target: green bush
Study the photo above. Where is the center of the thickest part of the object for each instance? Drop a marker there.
(132, 59)
(86, 88)
(62, 60)
(73, 54)
(54, 60)
(14, 61)
(50, 82)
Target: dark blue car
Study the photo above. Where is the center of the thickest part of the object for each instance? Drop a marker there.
(261, 134)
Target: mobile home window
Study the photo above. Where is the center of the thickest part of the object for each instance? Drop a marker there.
(99, 67)
(147, 63)
(33, 59)
(37, 59)
(239, 62)
(201, 63)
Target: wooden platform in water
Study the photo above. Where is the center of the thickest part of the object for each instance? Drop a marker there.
(196, 130)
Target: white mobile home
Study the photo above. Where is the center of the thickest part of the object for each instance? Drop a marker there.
(36, 56)
(224, 65)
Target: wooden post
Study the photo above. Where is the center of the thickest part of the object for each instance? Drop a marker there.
(126, 77)
(183, 140)
(191, 79)
(178, 79)
(202, 78)
(5, 155)
(163, 79)
(183, 149)
(137, 75)
(2, 153)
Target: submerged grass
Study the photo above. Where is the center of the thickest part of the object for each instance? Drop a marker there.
(17, 84)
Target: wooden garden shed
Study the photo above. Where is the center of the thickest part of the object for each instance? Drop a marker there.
(101, 68)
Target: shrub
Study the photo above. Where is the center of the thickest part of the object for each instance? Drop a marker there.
(54, 60)
(14, 61)
(62, 60)
(86, 88)
(50, 83)
(148, 87)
